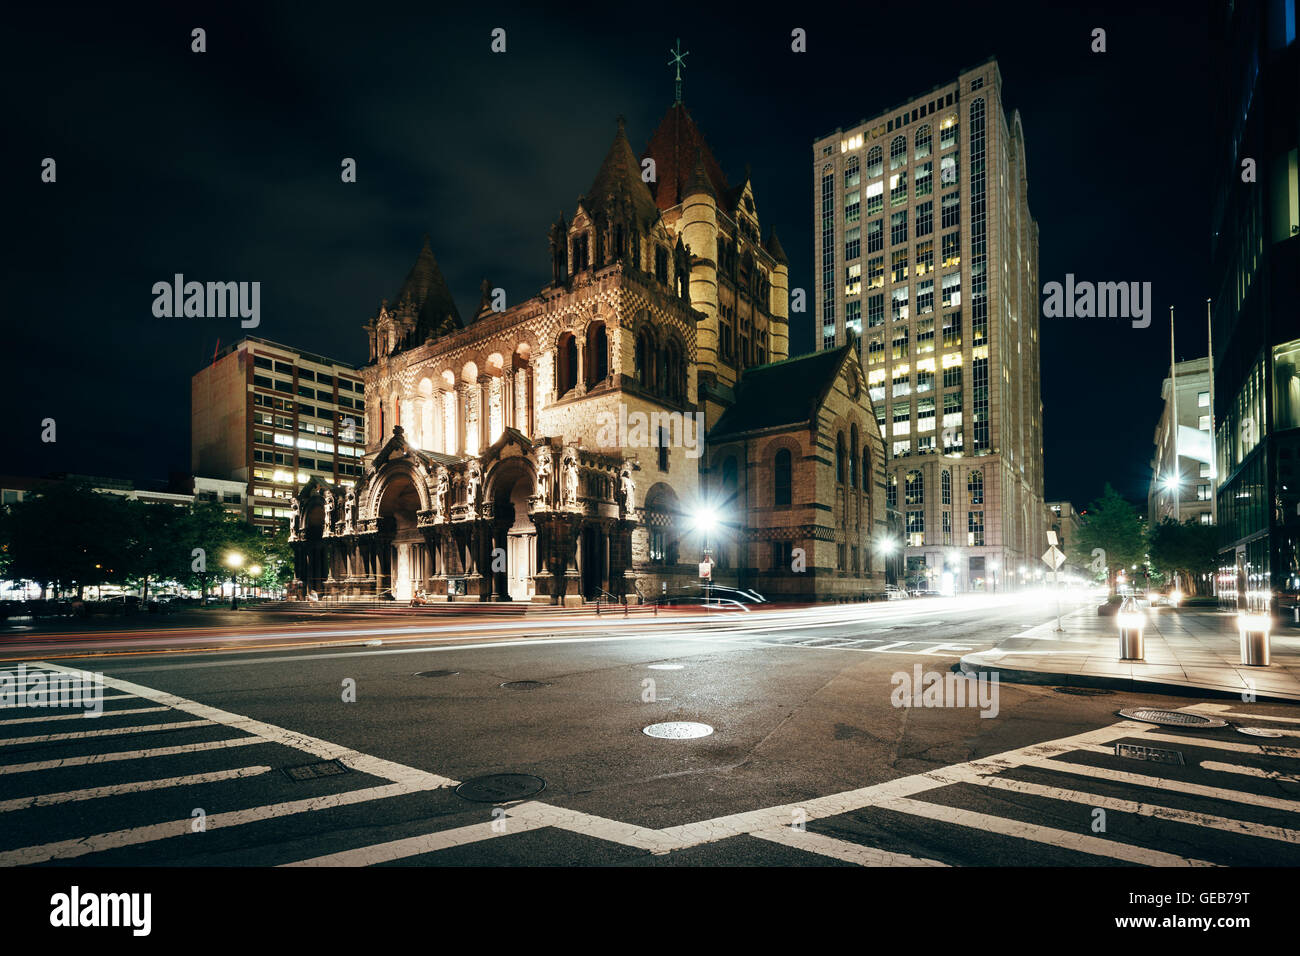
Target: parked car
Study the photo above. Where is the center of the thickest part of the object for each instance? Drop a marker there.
(894, 593)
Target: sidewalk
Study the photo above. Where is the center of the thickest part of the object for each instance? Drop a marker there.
(1188, 651)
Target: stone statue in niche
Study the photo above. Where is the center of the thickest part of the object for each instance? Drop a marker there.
(329, 508)
(440, 494)
(570, 478)
(473, 479)
(627, 488)
(296, 526)
(544, 474)
(349, 510)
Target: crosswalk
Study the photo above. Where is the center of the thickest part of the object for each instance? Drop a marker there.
(175, 768)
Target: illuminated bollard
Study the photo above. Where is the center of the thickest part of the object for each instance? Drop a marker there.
(1131, 621)
(1254, 629)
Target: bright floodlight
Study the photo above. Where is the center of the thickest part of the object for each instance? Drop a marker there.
(706, 519)
(255, 570)
(886, 545)
(234, 559)
(1170, 482)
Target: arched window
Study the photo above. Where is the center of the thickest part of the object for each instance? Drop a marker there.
(567, 362)
(730, 471)
(923, 142)
(914, 488)
(853, 457)
(661, 525)
(852, 173)
(945, 485)
(866, 469)
(839, 458)
(645, 360)
(975, 487)
(597, 354)
(875, 162)
(897, 152)
(782, 477)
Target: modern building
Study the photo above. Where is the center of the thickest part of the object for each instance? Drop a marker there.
(1255, 285)
(1065, 521)
(929, 261)
(272, 418)
(1182, 491)
(604, 438)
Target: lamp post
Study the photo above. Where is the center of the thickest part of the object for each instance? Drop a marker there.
(993, 567)
(706, 519)
(254, 573)
(234, 560)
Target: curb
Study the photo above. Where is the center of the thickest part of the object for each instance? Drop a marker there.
(969, 665)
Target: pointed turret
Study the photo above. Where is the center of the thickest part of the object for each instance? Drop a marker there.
(674, 147)
(774, 249)
(425, 295)
(699, 183)
(619, 179)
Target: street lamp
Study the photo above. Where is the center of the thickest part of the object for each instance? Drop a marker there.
(234, 560)
(706, 520)
(993, 566)
(254, 573)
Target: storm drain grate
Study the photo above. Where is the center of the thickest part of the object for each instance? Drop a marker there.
(1084, 691)
(524, 684)
(437, 673)
(501, 787)
(1172, 718)
(677, 730)
(314, 771)
(1150, 754)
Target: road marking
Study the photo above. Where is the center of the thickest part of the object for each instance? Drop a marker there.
(825, 845)
(1222, 711)
(1079, 842)
(885, 647)
(82, 716)
(414, 846)
(1224, 745)
(984, 777)
(1260, 772)
(1177, 786)
(111, 732)
(94, 793)
(613, 831)
(129, 755)
(134, 836)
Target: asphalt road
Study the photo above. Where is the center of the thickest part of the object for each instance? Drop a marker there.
(350, 753)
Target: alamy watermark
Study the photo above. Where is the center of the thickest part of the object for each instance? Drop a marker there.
(211, 300)
(651, 430)
(23, 688)
(1098, 300)
(950, 689)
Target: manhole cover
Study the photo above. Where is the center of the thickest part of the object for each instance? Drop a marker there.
(1259, 731)
(1084, 691)
(1152, 754)
(524, 684)
(678, 730)
(501, 787)
(1171, 718)
(437, 673)
(313, 771)
(666, 667)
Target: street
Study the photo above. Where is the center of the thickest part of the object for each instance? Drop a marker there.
(351, 754)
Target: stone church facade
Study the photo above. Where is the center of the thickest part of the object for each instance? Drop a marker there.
(596, 441)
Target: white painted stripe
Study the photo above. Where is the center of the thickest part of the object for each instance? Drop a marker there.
(414, 846)
(116, 839)
(129, 755)
(110, 732)
(1079, 842)
(1260, 772)
(375, 766)
(84, 715)
(885, 647)
(1223, 745)
(1177, 786)
(1222, 711)
(116, 790)
(974, 774)
(844, 850)
(613, 831)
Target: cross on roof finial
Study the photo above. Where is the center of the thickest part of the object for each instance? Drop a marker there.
(679, 61)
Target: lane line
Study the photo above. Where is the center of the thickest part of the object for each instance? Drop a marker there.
(414, 846)
(110, 732)
(1078, 842)
(90, 759)
(118, 789)
(1276, 775)
(1177, 786)
(1264, 749)
(844, 850)
(84, 715)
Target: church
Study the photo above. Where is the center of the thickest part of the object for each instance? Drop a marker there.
(491, 470)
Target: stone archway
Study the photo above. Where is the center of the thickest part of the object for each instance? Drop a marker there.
(403, 555)
(512, 485)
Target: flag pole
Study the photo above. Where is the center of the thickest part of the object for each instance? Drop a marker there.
(1214, 458)
(1173, 382)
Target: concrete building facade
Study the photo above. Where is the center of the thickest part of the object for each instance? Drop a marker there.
(928, 260)
(1181, 486)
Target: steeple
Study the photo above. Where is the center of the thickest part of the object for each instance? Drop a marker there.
(674, 148)
(425, 295)
(773, 246)
(619, 179)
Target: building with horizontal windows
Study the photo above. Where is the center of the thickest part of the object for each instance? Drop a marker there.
(1182, 490)
(1255, 285)
(272, 417)
(928, 259)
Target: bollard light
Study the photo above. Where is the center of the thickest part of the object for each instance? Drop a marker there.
(1130, 620)
(1253, 629)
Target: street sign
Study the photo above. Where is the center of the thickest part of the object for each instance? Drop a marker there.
(1054, 558)
(706, 570)
(1051, 539)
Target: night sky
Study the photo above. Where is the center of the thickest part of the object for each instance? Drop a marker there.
(224, 166)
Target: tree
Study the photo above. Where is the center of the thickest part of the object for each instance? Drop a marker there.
(1189, 550)
(1114, 528)
(66, 534)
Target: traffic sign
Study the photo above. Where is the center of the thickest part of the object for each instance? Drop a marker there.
(1054, 558)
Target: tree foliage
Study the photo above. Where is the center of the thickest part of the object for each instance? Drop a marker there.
(1189, 550)
(1114, 527)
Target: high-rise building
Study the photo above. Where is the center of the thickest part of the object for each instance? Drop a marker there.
(1182, 491)
(1255, 285)
(274, 417)
(928, 256)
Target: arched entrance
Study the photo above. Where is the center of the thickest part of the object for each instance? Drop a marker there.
(403, 563)
(513, 531)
